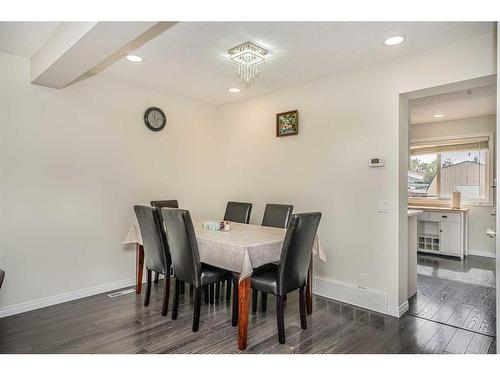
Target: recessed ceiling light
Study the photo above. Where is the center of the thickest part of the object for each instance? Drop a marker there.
(394, 40)
(134, 58)
(234, 89)
(438, 115)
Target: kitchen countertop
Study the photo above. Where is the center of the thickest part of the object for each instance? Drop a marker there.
(413, 212)
(438, 209)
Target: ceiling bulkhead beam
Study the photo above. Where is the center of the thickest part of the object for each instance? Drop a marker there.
(78, 50)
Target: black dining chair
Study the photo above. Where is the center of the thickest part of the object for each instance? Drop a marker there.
(2, 276)
(291, 272)
(238, 212)
(186, 262)
(157, 255)
(277, 216)
(171, 203)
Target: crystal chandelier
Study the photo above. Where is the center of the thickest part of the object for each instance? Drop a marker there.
(247, 57)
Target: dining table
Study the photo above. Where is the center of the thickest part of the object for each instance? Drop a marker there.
(242, 249)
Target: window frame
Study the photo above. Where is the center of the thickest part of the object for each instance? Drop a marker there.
(490, 170)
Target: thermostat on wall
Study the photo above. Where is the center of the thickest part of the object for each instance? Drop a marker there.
(377, 162)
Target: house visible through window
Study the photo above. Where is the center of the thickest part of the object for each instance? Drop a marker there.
(437, 169)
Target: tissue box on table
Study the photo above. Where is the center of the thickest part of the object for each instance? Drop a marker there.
(211, 225)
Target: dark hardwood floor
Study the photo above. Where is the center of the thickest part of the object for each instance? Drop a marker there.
(100, 324)
(460, 294)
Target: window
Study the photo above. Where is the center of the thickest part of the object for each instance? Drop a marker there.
(440, 167)
(464, 171)
(422, 173)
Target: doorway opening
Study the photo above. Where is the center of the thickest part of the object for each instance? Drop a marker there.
(451, 210)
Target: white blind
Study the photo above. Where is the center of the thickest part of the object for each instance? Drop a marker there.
(459, 144)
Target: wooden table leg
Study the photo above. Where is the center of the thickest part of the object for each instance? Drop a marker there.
(243, 307)
(309, 301)
(139, 267)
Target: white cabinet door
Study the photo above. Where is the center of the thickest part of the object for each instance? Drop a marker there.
(450, 238)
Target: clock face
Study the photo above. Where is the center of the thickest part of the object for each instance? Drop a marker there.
(155, 119)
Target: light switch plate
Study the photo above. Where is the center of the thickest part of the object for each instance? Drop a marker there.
(383, 206)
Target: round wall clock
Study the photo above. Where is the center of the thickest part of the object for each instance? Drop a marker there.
(155, 119)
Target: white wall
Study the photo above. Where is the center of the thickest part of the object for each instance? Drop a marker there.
(344, 120)
(74, 161)
(72, 164)
(480, 217)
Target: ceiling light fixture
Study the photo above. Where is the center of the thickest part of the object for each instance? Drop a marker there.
(438, 115)
(134, 58)
(247, 56)
(394, 40)
(234, 89)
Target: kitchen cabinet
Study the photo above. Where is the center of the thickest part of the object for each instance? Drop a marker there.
(450, 238)
(443, 231)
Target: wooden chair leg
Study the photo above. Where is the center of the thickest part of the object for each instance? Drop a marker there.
(254, 300)
(217, 291)
(197, 307)
(175, 308)
(228, 290)
(205, 293)
(183, 288)
(148, 288)
(211, 289)
(166, 295)
(157, 277)
(302, 308)
(280, 319)
(234, 317)
(263, 302)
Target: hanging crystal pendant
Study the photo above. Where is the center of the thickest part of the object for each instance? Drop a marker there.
(247, 57)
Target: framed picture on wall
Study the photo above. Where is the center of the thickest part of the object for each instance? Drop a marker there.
(287, 123)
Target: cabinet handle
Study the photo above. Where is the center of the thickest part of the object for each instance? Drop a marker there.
(444, 217)
(441, 231)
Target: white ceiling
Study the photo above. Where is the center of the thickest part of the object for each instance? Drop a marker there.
(24, 38)
(480, 101)
(190, 58)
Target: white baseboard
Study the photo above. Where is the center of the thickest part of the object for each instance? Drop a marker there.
(398, 311)
(482, 254)
(365, 298)
(64, 297)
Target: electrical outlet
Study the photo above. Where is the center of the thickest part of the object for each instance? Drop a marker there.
(383, 206)
(362, 280)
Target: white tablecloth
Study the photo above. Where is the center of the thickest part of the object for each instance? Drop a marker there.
(133, 235)
(240, 250)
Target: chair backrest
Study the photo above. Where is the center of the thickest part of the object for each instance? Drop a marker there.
(2, 275)
(168, 203)
(182, 243)
(238, 212)
(156, 252)
(296, 251)
(277, 215)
